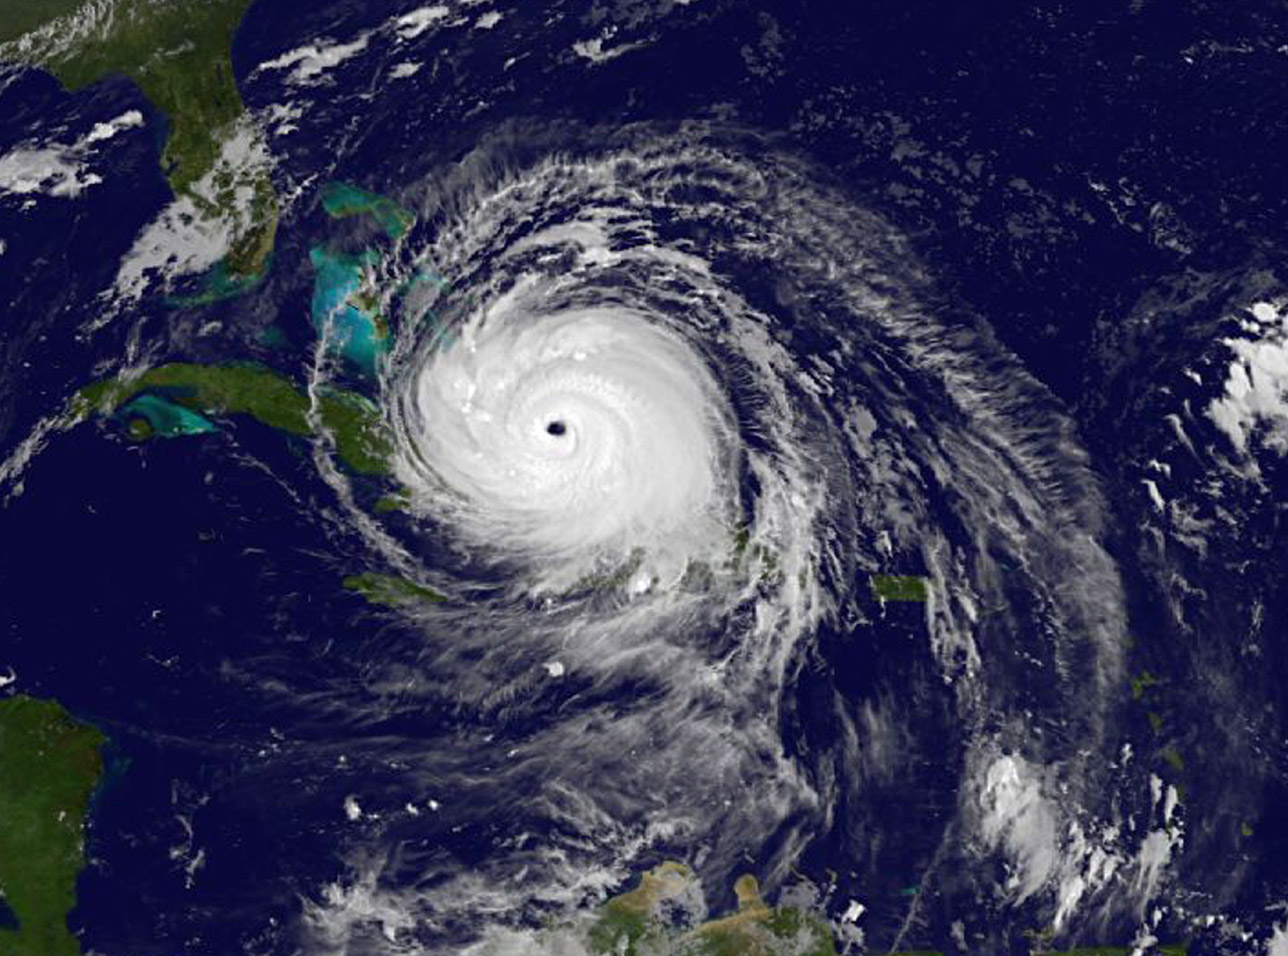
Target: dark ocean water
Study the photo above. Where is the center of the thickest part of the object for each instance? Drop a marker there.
(1053, 165)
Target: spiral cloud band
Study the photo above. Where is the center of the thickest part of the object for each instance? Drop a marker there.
(578, 435)
(691, 398)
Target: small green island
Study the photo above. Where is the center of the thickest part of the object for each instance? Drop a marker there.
(899, 587)
(178, 54)
(259, 392)
(343, 200)
(390, 591)
(347, 296)
(49, 766)
(631, 923)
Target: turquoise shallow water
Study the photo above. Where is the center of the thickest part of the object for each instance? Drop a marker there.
(1053, 164)
(356, 333)
(167, 419)
(341, 200)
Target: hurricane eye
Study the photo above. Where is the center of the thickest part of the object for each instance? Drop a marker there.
(556, 428)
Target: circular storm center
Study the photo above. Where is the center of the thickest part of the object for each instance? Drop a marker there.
(581, 436)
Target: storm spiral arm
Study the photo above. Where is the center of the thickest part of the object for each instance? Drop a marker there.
(671, 403)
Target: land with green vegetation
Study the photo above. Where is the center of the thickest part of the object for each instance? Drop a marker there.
(1039, 945)
(178, 53)
(49, 766)
(1175, 949)
(24, 17)
(390, 590)
(1145, 689)
(341, 200)
(1141, 683)
(361, 441)
(630, 924)
(347, 302)
(899, 587)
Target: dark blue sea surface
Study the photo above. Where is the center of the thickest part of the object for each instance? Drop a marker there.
(1102, 184)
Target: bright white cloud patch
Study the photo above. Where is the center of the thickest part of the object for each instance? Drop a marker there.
(101, 131)
(313, 59)
(183, 239)
(403, 70)
(1256, 387)
(558, 430)
(59, 170)
(411, 25)
(49, 171)
(594, 50)
(1278, 944)
(1047, 848)
(1019, 819)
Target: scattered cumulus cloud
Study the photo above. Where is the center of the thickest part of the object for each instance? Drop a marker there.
(594, 51)
(403, 70)
(183, 240)
(313, 59)
(1278, 944)
(1018, 818)
(57, 169)
(411, 25)
(1256, 387)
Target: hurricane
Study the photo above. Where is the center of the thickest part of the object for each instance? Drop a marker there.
(670, 410)
(664, 478)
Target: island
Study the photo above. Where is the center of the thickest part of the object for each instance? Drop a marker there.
(342, 200)
(346, 305)
(178, 54)
(49, 767)
(631, 923)
(347, 295)
(898, 587)
(361, 441)
(390, 591)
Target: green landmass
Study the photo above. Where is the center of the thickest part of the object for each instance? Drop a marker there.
(1141, 683)
(899, 587)
(1167, 949)
(178, 53)
(341, 200)
(241, 270)
(388, 503)
(629, 924)
(49, 765)
(23, 17)
(139, 429)
(1173, 949)
(610, 579)
(265, 395)
(345, 297)
(390, 590)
